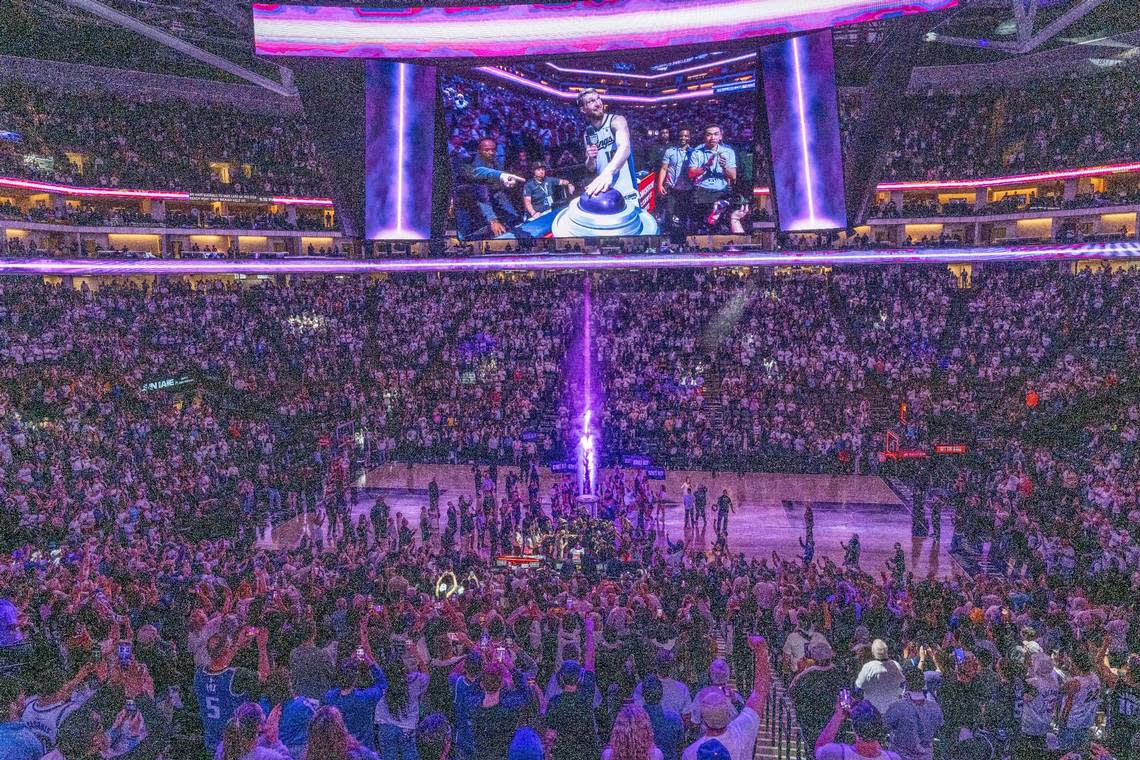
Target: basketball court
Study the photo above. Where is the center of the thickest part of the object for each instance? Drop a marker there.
(769, 512)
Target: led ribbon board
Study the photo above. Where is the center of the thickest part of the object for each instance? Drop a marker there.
(582, 26)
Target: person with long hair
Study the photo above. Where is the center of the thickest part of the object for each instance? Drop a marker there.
(398, 711)
(246, 737)
(632, 736)
(329, 739)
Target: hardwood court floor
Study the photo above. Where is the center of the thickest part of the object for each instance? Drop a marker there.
(769, 512)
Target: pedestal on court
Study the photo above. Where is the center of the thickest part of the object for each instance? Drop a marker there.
(588, 503)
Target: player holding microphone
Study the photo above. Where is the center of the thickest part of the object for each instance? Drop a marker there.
(608, 148)
(712, 169)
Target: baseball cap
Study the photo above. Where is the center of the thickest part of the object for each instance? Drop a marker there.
(713, 750)
(716, 710)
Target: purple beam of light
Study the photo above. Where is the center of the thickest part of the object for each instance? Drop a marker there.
(312, 265)
(399, 133)
(588, 438)
(801, 113)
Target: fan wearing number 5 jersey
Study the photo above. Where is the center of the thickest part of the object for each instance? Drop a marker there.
(221, 688)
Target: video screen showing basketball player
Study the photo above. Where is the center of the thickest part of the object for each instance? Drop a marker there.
(562, 160)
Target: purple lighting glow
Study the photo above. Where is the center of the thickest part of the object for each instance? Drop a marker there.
(801, 113)
(803, 125)
(577, 26)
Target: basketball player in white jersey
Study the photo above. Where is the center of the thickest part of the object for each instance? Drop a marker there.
(609, 153)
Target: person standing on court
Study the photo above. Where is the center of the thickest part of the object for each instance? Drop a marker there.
(723, 506)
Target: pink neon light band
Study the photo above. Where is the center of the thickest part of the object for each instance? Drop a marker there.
(158, 195)
(578, 26)
(1013, 179)
(1016, 179)
(653, 77)
(564, 95)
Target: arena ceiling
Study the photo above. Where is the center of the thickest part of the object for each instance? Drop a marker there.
(213, 38)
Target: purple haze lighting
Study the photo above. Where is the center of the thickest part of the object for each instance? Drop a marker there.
(577, 26)
(801, 113)
(401, 169)
(399, 131)
(312, 265)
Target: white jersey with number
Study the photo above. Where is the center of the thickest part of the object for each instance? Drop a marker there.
(603, 136)
(44, 720)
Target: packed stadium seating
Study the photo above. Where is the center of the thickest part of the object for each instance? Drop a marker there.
(296, 516)
(722, 370)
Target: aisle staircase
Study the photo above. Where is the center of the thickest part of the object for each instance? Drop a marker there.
(779, 737)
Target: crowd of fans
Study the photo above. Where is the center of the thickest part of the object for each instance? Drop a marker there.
(139, 143)
(88, 215)
(144, 615)
(1054, 123)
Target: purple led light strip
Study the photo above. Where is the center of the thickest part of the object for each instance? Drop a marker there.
(302, 265)
(650, 77)
(552, 91)
(400, 140)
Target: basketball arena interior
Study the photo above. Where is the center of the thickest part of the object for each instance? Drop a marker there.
(585, 380)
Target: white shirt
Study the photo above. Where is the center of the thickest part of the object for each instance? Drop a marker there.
(882, 683)
(739, 737)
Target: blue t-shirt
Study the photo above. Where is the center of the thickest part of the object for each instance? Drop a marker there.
(467, 695)
(359, 706)
(713, 180)
(18, 743)
(676, 163)
(293, 728)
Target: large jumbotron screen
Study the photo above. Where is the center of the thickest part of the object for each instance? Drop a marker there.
(585, 119)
